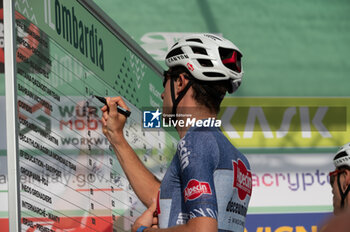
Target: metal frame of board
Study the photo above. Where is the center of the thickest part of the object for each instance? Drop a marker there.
(14, 212)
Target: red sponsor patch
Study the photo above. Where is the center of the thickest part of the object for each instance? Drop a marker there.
(190, 67)
(158, 205)
(242, 179)
(195, 189)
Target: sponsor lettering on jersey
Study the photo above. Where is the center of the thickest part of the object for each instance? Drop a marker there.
(236, 208)
(182, 218)
(183, 154)
(195, 189)
(242, 179)
(200, 212)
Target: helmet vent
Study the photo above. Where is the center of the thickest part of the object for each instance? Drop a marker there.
(231, 59)
(175, 52)
(205, 63)
(340, 155)
(194, 40)
(198, 50)
(175, 44)
(213, 74)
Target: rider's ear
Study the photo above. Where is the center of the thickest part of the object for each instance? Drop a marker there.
(347, 177)
(181, 83)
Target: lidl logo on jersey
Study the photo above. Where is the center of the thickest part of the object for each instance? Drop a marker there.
(151, 119)
(286, 122)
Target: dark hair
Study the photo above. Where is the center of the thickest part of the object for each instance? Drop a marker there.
(206, 93)
(343, 167)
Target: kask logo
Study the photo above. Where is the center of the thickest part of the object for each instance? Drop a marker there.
(151, 119)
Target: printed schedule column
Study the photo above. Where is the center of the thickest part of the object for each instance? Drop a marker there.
(57, 183)
(45, 170)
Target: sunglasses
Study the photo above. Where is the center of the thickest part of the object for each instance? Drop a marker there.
(171, 74)
(333, 174)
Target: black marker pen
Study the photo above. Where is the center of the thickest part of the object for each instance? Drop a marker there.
(121, 110)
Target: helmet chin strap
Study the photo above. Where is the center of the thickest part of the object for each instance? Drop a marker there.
(342, 194)
(177, 100)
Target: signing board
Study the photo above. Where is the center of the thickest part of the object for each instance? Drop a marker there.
(70, 179)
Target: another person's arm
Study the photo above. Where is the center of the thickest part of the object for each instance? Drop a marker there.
(143, 182)
(200, 224)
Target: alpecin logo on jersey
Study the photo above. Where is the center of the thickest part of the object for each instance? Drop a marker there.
(242, 179)
(195, 189)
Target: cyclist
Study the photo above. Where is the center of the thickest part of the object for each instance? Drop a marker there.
(340, 179)
(207, 186)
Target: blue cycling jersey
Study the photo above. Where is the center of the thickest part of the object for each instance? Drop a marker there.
(208, 177)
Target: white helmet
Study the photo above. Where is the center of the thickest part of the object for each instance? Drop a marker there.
(342, 158)
(208, 57)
